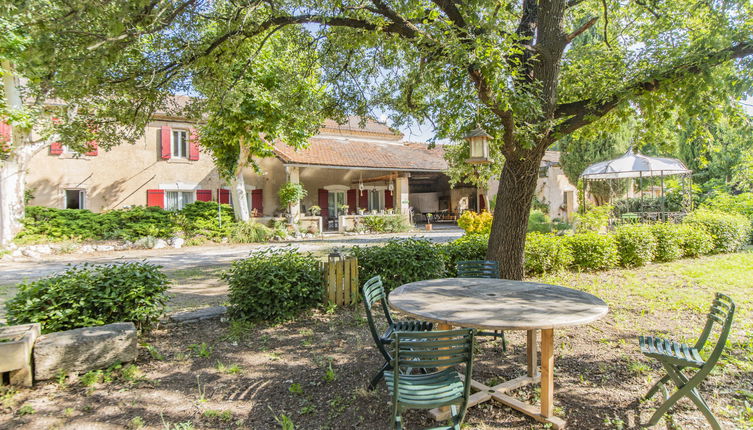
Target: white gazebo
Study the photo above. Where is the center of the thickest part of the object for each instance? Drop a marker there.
(632, 165)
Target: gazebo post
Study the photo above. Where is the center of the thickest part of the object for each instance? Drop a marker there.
(663, 206)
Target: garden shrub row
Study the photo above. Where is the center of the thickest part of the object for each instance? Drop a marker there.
(92, 295)
(196, 220)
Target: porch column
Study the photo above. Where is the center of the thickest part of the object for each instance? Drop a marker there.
(402, 201)
(294, 175)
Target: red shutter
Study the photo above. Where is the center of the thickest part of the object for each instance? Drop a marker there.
(257, 202)
(388, 199)
(352, 201)
(193, 145)
(5, 139)
(155, 198)
(324, 202)
(93, 148)
(204, 195)
(364, 200)
(56, 148)
(166, 134)
(225, 197)
(481, 202)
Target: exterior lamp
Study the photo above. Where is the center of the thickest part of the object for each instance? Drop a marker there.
(479, 143)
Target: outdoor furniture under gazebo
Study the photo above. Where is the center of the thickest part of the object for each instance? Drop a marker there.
(633, 165)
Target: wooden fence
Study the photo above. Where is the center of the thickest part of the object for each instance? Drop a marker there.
(341, 281)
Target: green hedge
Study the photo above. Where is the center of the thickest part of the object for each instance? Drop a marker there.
(695, 240)
(636, 244)
(274, 285)
(401, 261)
(546, 253)
(88, 295)
(593, 251)
(669, 241)
(729, 231)
(198, 219)
(467, 247)
(385, 223)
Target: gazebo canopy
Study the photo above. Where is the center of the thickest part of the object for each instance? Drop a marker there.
(632, 165)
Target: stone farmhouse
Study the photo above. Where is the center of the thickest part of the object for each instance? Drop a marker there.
(367, 167)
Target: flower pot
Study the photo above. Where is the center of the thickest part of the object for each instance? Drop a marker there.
(428, 227)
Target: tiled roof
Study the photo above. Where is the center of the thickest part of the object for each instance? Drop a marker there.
(353, 125)
(364, 154)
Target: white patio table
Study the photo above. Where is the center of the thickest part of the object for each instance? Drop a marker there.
(499, 304)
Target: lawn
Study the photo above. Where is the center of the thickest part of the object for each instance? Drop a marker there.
(312, 371)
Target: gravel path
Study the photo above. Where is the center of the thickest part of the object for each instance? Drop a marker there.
(198, 256)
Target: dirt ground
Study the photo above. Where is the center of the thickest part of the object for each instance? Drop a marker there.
(312, 372)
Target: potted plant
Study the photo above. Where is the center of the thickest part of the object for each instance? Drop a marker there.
(361, 211)
(315, 210)
(291, 193)
(428, 222)
(344, 209)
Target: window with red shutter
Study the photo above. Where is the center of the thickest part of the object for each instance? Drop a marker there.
(93, 149)
(225, 197)
(363, 202)
(165, 141)
(155, 198)
(193, 145)
(352, 201)
(56, 148)
(257, 202)
(388, 199)
(204, 195)
(324, 203)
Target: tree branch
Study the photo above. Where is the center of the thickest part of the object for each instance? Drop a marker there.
(569, 38)
(452, 12)
(584, 112)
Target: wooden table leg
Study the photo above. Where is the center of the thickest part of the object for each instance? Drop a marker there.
(547, 372)
(444, 410)
(532, 359)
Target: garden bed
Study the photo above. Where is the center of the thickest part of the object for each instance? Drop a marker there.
(214, 374)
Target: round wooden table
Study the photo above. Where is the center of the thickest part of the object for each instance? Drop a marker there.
(499, 304)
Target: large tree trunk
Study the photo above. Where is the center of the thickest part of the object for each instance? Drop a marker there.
(12, 183)
(238, 187)
(516, 188)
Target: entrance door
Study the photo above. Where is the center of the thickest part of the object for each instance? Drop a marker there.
(336, 200)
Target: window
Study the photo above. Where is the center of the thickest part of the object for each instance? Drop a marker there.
(543, 171)
(177, 200)
(336, 200)
(376, 200)
(74, 199)
(180, 144)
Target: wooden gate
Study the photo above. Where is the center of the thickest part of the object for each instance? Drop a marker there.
(341, 281)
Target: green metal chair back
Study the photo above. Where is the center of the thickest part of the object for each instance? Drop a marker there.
(675, 357)
(373, 292)
(478, 269)
(442, 350)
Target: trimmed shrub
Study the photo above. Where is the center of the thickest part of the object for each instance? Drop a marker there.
(636, 244)
(401, 261)
(203, 219)
(593, 251)
(546, 253)
(476, 223)
(729, 231)
(595, 219)
(668, 242)
(89, 295)
(274, 285)
(694, 240)
(136, 222)
(385, 223)
(467, 247)
(249, 232)
(539, 222)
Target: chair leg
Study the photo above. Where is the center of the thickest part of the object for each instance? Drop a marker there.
(378, 377)
(664, 379)
(685, 387)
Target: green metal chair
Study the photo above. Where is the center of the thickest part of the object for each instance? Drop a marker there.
(438, 349)
(676, 357)
(373, 292)
(478, 269)
(482, 269)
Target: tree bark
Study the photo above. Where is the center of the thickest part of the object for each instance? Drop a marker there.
(508, 234)
(238, 187)
(12, 181)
